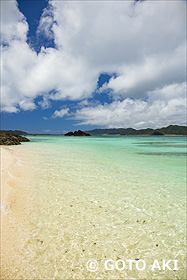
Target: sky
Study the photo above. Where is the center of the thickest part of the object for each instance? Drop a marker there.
(68, 65)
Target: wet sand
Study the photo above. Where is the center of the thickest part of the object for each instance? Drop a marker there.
(15, 208)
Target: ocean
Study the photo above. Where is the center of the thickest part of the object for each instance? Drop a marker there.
(106, 198)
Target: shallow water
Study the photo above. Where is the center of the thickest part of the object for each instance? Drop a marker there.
(105, 198)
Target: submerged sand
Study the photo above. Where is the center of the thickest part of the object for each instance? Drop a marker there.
(15, 208)
(87, 203)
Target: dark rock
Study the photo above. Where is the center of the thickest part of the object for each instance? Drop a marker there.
(11, 139)
(22, 138)
(69, 134)
(77, 133)
(80, 133)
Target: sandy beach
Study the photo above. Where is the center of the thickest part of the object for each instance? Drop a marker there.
(15, 208)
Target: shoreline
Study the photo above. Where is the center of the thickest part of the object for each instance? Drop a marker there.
(15, 209)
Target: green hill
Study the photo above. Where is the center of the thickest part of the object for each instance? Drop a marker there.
(17, 132)
(173, 130)
(169, 130)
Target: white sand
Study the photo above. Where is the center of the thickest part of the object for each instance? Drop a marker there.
(15, 202)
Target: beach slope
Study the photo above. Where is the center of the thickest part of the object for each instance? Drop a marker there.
(15, 210)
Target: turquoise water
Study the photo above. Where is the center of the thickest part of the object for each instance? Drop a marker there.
(106, 198)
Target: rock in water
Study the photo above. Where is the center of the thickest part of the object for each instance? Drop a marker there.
(69, 134)
(11, 139)
(77, 133)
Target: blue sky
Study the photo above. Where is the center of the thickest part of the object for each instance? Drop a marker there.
(81, 65)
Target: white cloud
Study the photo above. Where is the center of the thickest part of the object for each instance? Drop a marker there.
(137, 80)
(45, 103)
(61, 113)
(143, 43)
(46, 23)
(47, 130)
(13, 22)
(156, 111)
(27, 105)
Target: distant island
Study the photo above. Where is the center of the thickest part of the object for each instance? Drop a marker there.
(77, 133)
(15, 132)
(169, 130)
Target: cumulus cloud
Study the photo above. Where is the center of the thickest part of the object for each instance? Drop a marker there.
(60, 113)
(27, 75)
(14, 25)
(46, 23)
(44, 103)
(142, 42)
(158, 110)
(137, 80)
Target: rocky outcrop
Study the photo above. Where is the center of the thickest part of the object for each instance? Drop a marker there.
(11, 139)
(77, 133)
(69, 134)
